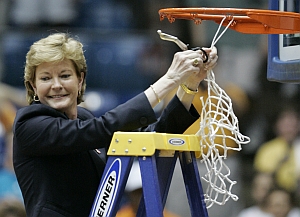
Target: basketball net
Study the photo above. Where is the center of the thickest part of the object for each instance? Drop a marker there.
(217, 118)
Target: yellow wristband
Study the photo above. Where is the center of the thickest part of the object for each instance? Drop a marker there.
(155, 93)
(187, 90)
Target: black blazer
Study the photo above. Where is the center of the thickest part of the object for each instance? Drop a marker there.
(54, 159)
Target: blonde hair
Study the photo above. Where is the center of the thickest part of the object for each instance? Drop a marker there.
(54, 48)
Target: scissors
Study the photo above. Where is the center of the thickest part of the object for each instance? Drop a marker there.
(180, 44)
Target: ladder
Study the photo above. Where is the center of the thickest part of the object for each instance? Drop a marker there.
(157, 154)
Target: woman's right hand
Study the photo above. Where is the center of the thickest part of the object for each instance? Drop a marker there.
(193, 81)
(183, 66)
(186, 66)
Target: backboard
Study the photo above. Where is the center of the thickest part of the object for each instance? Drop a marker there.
(284, 49)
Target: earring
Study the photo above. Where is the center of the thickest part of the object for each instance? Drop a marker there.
(36, 98)
(79, 93)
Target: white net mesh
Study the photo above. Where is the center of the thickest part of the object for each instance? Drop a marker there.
(218, 127)
(218, 123)
(217, 119)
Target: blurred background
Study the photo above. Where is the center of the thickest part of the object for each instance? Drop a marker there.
(125, 55)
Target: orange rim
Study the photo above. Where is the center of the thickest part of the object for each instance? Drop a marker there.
(251, 21)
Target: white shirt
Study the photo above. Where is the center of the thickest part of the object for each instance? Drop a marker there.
(295, 212)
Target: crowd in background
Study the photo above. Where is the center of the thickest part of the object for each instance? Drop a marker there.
(125, 31)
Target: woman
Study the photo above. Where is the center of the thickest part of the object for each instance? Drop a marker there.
(55, 160)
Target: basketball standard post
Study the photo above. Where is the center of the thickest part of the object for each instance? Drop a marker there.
(157, 154)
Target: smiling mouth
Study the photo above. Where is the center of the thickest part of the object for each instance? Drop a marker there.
(57, 96)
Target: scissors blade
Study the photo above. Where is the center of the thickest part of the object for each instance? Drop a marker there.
(172, 38)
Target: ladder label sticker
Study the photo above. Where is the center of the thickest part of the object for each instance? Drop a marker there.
(176, 141)
(107, 194)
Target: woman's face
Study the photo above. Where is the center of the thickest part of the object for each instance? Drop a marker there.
(57, 85)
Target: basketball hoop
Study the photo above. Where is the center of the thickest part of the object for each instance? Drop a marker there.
(250, 21)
